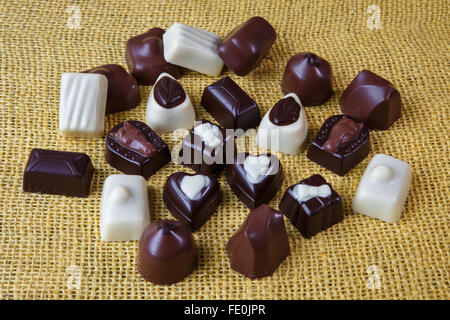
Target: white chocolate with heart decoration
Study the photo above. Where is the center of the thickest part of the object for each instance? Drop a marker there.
(303, 192)
(192, 186)
(192, 48)
(256, 168)
(210, 134)
(82, 104)
(124, 209)
(289, 139)
(383, 189)
(162, 119)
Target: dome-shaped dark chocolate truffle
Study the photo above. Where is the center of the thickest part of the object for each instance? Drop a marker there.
(308, 76)
(167, 252)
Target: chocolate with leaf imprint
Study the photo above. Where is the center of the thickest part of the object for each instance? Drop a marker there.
(123, 91)
(145, 57)
(192, 198)
(134, 148)
(255, 179)
(169, 107)
(341, 143)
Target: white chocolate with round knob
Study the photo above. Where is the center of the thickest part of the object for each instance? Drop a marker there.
(383, 189)
(124, 209)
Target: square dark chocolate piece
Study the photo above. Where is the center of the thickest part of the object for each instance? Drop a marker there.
(230, 105)
(312, 205)
(205, 150)
(58, 172)
(134, 148)
(341, 143)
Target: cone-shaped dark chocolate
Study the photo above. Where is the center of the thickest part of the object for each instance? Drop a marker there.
(372, 100)
(260, 245)
(167, 252)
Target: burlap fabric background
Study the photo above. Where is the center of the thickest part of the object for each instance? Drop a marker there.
(50, 245)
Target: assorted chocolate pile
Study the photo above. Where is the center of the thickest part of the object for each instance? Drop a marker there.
(167, 250)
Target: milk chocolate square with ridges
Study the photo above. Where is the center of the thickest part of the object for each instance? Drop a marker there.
(134, 148)
(230, 105)
(58, 172)
(312, 205)
(341, 143)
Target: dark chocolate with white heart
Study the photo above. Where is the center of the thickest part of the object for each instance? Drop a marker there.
(255, 179)
(192, 198)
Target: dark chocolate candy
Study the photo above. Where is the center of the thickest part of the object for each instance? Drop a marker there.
(167, 252)
(254, 194)
(315, 214)
(230, 105)
(260, 245)
(194, 212)
(373, 100)
(134, 148)
(308, 76)
(341, 143)
(58, 172)
(285, 112)
(123, 91)
(200, 157)
(246, 45)
(168, 93)
(145, 57)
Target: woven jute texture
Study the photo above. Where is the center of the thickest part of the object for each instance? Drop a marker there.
(50, 245)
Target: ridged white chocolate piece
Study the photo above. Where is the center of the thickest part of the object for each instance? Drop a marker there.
(192, 48)
(383, 189)
(82, 104)
(192, 186)
(291, 138)
(162, 119)
(124, 210)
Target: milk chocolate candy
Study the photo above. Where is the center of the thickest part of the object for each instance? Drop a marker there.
(255, 179)
(284, 127)
(230, 105)
(308, 76)
(260, 245)
(145, 57)
(192, 198)
(133, 148)
(246, 45)
(167, 252)
(341, 143)
(205, 148)
(123, 91)
(373, 100)
(312, 205)
(58, 172)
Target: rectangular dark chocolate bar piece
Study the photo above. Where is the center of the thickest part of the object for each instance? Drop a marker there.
(58, 172)
(230, 106)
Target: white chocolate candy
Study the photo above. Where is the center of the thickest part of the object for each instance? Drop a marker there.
(290, 138)
(383, 189)
(125, 212)
(256, 168)
(162, 119)
(210, 134)
(192, 48)
(303, 192)
(192, 186)
(82, 104)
